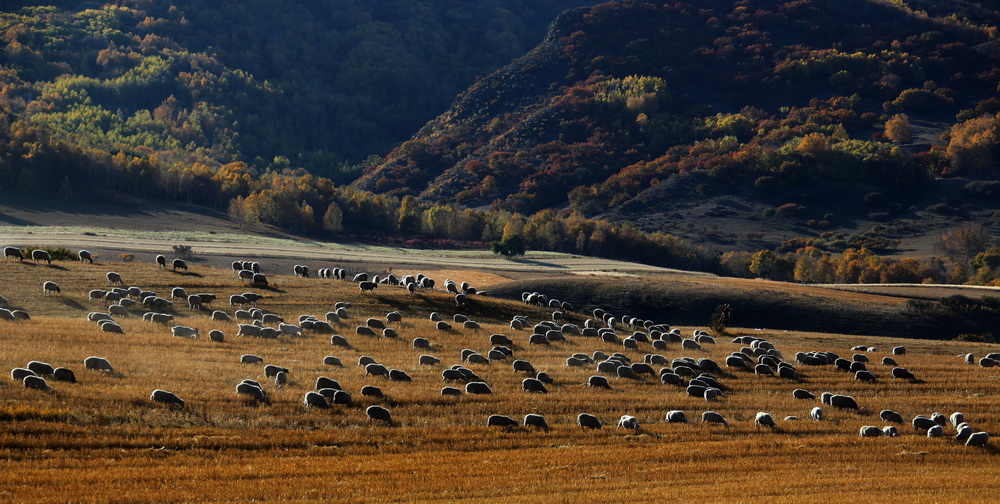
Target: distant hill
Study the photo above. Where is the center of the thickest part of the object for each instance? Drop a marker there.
(693, 119)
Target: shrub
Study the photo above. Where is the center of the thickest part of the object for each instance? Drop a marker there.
(125, 257)
(182, 251)
(791, 209)
(56, 253)
(976, 338)
(959, 302)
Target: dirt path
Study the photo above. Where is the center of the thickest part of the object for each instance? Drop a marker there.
(221, 252)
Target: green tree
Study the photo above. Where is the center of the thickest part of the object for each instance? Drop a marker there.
(509, 247)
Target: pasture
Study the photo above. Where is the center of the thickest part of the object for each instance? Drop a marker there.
(102, 440)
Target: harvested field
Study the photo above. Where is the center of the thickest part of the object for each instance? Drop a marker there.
(102, 440)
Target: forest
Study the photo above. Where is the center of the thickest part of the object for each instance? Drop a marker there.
(334, 118)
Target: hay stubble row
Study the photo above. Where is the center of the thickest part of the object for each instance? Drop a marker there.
(109, 443)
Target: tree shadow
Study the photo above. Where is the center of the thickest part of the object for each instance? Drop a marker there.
(189, 274)
(72, 303)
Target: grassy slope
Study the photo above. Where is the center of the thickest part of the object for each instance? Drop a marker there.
(114, 445)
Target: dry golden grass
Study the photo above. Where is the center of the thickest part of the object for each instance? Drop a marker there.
(102, 440)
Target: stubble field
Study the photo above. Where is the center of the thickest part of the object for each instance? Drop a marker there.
(102, 440)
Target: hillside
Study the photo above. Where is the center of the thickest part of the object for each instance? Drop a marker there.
(694, 121)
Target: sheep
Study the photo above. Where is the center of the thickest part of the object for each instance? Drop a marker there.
(935, 432)
(40, 368)
(364, 331)
(165, 397)
(319, 326)
(379, 413)
(248, 330)
(986, 362)
(978, 439)
(900, 350)
(290, 329)
(675, 416)
(903, 374)
(443, 326)
(35, 382)
(956, 419)
(478, 388)
(890, 416)
(221, 316)
(866, 376)
(99, 364)
(14, 252)
(398, 375)
(452, 374)
(112, 327)
(20, 315)
(816, 413)
(51, 287)
(161, 261)
(323, 382)
(939, 419)
(921, 422)
(534, 420)
(450, 391)
(428, 360)
(394, 316)
(523, 365)
(367, 286)
(251, 359)
(969, 358)
(501, 421)
(588, 421)
(843, 402)
(713, 417)
(371, 391)
(184, 331)
(18, 374)
(252, 390)
(533, 385)
(41, 255)
(598, 381)
(870, 431)
(315, 400)
(115, 279)
(365, 360)
(375, 323)
(64, 374)
(628, 422)
(270, 370)
(375, 369)
(763, 419)
(179, 264)
(803, 394)
(85, 256)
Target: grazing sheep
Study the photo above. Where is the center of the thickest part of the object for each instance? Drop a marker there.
(676, 416)
(18, 374)
(375, 369)
(86, 256)
(477, 388)
(371, 391)
(501, 421)
(713, 417)
(866, 376)
(221, 316)
(899, 350)
(956, 419)
(598, 381)
(939, 419)
(365, 360)
(588, 421)
(251, 359)
(40, 368)
(367, 286)
(20, 315)
(99, 364)
(270, 370)
(398, 375)
(315, 400)
(921, 422)
(816, 413)
(422, 343)
(986, 362)
(523, 365)
(248, 330)
(428, 360)
(14, 252)
(179, 264)
(443, 326)
(978, 439)
(534, 420)
(763, 419)
(690, 344)
(161, 261)
(115, 279)
(450, 391)
(118, 310)
(184, 331)
(364, 331)
(890, 431)
(935, 432)
(112, 327)
(803, 394)
(890, 416)
(64, 374)
(628, 422)
(870, 431)
(533, 385)
(165, 397)
(902, 373)
(35, 382)
(252, 390)
(41, 255)
(323, 382)
(51, 288)
(379, 413)
(330, 360)
(843, 402)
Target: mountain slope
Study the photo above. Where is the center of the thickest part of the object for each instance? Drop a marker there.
(760, 99)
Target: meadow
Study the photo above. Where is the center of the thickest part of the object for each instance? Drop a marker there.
(102, 440)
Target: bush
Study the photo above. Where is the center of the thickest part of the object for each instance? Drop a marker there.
(56, 253)
(182, 251)
(791, 209)
(959, 302)
(976, 338)
(874, 199)
(125, 257)
(983, 187)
